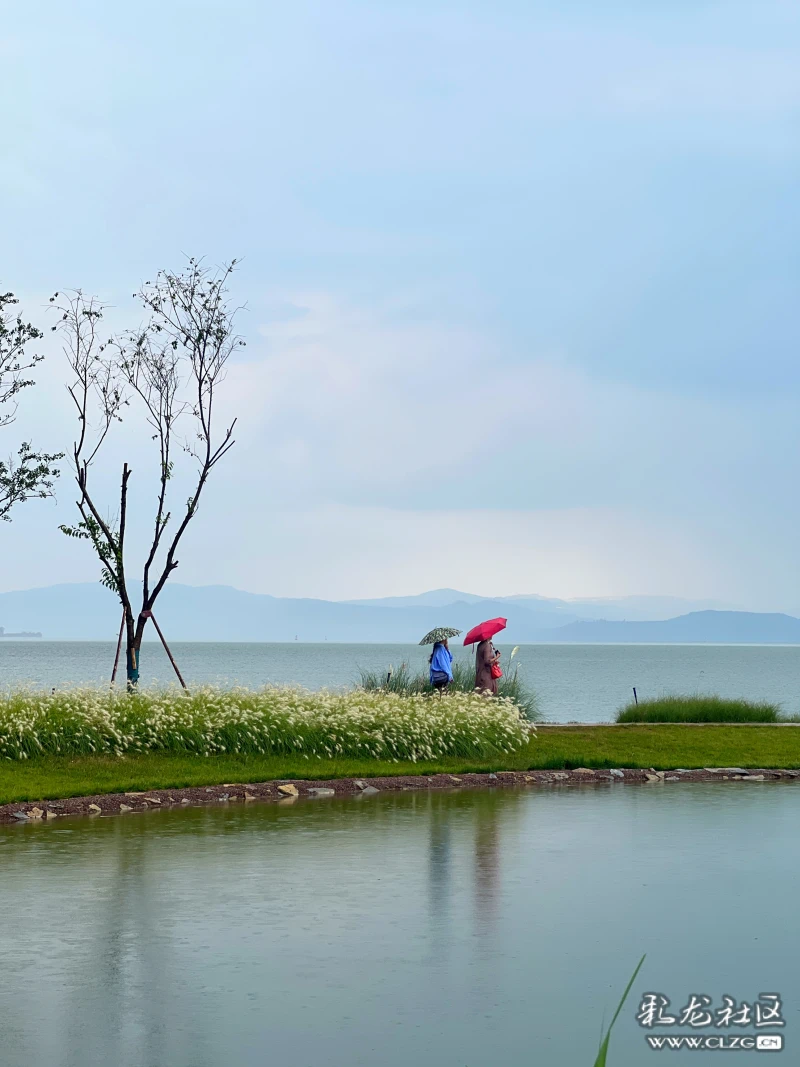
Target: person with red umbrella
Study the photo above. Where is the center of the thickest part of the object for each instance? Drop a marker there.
(487, 658)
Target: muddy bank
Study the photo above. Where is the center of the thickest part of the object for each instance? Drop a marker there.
(287, 792)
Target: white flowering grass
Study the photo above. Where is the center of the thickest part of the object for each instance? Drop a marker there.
(272, 721)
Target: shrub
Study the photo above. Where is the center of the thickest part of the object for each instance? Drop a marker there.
(698, 709)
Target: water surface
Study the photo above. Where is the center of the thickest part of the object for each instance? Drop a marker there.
(457, 930)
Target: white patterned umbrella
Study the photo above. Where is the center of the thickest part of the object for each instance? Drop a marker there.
(439, 633)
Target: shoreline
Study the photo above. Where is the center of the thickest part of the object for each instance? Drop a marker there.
(288, 791)
(575, 725)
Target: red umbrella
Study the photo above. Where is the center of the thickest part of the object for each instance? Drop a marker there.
(485, 630)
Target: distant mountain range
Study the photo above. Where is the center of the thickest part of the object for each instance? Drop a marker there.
(87, 611)
(628, 608)
(698, 627)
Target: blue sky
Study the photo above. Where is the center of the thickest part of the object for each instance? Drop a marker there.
(521, 281)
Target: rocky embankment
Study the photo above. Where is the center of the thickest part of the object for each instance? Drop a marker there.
(288, 792)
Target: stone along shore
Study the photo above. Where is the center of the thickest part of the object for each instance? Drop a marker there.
(288, 792)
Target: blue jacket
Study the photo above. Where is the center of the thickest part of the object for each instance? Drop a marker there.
(442, 660)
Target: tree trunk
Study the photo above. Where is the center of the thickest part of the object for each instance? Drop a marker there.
(132, 668)
(133, 647)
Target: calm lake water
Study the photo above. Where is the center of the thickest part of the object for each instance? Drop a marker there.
(459, 930)
(585, 683)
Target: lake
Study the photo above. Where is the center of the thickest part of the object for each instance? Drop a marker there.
(584, 683)
(456, 930)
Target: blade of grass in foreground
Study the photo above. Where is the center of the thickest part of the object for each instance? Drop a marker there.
(603, 1053)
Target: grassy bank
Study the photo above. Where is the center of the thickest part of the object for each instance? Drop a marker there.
(662, 747)
(668, 746)
(700, 709)
(405, 682)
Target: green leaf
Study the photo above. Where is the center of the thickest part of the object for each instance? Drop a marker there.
(603, 1052)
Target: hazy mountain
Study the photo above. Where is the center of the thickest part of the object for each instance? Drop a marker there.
(643, 608)
(698, 627)
(221, 613)
(618, 608)
(435, 598)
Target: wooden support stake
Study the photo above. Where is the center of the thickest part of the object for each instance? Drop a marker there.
(119, 646)
(150, 615)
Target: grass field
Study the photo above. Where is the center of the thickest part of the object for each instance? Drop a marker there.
(662, 747)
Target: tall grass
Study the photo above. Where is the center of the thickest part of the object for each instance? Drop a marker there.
(394, 680)
(274, 721)
(403, 680)
(698, 709)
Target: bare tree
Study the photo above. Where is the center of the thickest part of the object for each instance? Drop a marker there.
(172, 369)
(28, 473)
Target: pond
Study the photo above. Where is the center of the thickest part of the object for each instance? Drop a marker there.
(461, 930)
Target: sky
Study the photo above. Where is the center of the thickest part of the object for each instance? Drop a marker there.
(520, 283)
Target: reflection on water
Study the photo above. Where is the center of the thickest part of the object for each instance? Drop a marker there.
(460, 929)
(487, 865)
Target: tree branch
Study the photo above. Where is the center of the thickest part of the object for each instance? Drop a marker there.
(28, 474)
(173, 366)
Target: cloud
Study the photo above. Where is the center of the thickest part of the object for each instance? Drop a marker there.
(593, 209)
(356, 406)
(379, 451)
(344, 400)
(341, 552)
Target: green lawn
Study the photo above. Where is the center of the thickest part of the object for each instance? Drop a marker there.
(662, 747)
(668, 746)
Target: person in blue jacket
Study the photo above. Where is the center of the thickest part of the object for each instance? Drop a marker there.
(441, 662)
